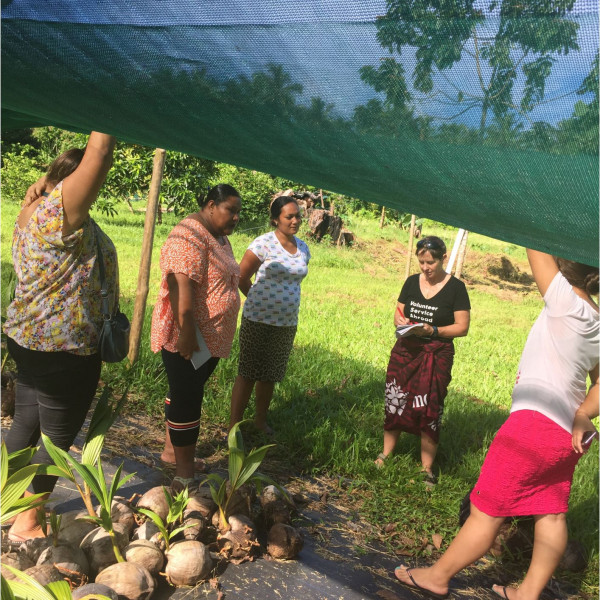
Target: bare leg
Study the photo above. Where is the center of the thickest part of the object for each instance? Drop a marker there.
(264, 395)
(184, 461)
(549, 544)
(242, 390)
(26, 523)
(390, 437)
(168, 454)
(428, 452)
(472, 542)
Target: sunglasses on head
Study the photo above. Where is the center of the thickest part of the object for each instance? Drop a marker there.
(428, 244)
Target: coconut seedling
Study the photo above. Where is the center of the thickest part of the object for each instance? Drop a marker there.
(167, 527)
(242, 469)
(15, 476)
(95, 480)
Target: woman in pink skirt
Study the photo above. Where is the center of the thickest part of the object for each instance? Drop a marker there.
(529, 467)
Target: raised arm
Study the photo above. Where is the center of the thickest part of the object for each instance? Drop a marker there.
(543, 267)
(80, 189)
(248, 268)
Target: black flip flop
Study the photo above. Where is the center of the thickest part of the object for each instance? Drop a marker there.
(503, 594)
(416, 586)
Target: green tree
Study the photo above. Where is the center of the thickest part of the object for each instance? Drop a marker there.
(503, 40)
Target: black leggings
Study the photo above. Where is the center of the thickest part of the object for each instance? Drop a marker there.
(53, 394)
(183, 405)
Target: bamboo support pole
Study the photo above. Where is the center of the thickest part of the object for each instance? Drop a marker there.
(141, 294)
(411, 239)
(382, 220)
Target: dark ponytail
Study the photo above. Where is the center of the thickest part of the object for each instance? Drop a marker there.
(579, 275)
(219, 193)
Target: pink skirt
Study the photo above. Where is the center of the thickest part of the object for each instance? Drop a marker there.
(528, 469)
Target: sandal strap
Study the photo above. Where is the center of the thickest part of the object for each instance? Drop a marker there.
(383, 456)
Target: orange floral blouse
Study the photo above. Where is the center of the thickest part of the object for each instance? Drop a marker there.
(192, 251)
(57, 305)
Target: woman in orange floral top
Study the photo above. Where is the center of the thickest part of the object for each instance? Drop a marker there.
(198, 296)
(52, 324)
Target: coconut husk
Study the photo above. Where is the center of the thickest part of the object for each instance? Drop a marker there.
(90, 590)
(240, 540)
(154, 499)
(98, 548)
(128, 580)
(284, 541)
(69, 560)
(17, 560)
(33, 547)
(44, 574)
(276, 511)
(188, 563)
(146, 554)
(149, 531)
(194, 527)
(73, 527)
(199, 505)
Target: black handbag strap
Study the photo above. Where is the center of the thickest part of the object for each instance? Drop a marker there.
(103, 290)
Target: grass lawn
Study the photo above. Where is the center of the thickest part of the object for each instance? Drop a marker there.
(328, 412)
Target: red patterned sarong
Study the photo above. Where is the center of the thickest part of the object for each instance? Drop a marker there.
(416, 385)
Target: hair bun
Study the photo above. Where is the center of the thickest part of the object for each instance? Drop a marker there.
(591, 283)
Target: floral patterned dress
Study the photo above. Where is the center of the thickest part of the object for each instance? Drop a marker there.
(57, 305)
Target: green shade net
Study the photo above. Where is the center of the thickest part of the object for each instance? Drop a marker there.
(483, 115)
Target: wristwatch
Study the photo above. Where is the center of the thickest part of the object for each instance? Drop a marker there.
(435, 331)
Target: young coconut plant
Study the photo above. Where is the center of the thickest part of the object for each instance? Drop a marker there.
(177, 507)
(241, 469)
(95, 480)
(15, 476)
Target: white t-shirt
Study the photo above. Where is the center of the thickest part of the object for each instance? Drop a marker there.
(561, 349)
(274, 297)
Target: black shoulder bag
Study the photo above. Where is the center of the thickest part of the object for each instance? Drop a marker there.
(113, 341)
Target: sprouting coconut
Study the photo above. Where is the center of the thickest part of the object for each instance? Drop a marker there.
(154, 499)
(199, 505)
(93, 590)
(121, 512)
(241, 500)
(277, 506)
(44, 574)
(70, 561)
(73, 527)
(284, 541)
(128, 580)
(146, 554)
(240, 540)
(188, 563)
(98, 548)
(18, 560)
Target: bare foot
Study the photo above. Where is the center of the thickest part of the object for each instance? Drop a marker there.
(420, 579)
(264, 428)
(503, 592)
(25, 534)
(380, 460)
(169, 461)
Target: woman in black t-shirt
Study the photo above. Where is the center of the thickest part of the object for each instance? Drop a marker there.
(420, 366)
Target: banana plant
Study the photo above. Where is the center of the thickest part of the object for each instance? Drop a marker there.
(241, 469)
(94, 480)
(176, 505)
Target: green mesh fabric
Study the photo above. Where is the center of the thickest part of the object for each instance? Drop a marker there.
(483, 115)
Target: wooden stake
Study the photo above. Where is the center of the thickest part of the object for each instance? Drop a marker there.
(141, 294)
(462, 252)
(411, 238)
(382, 220)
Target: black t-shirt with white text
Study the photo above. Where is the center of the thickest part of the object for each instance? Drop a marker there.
(438, 310)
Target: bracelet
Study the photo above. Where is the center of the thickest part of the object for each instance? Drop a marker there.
(435, 331)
